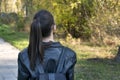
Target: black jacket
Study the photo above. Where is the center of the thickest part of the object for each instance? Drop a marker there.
(52, 52)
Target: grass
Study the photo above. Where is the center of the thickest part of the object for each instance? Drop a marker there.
(17, 39)
(93, 70)
(93, 62)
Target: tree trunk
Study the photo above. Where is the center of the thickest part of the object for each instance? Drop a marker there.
(29, 9)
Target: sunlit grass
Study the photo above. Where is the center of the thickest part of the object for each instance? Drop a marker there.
(102, 67)
(17, 39)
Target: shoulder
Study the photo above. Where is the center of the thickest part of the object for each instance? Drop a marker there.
(69, 52)
(70, 57)
(23, 54)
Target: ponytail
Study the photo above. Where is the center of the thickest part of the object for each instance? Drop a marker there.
(40, 28)
(35, 47)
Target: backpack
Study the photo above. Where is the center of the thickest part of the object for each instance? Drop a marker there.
(57, 75)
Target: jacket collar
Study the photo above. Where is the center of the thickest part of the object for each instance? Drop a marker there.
(52, 44)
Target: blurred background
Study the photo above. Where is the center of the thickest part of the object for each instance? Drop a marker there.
(90, 27)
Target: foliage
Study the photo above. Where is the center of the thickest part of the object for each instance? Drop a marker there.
(83, 12)
(8, 18)
(86, 19)
(105, 23)
(20, 24)
(4, 18)
(69, 15)
(13, 19)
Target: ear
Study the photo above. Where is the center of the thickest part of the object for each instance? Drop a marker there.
(54, 28)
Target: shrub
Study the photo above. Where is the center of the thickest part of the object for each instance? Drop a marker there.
(20, 24)
(13, 17)
(4, 18)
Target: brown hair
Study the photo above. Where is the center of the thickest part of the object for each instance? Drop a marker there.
(40, 28)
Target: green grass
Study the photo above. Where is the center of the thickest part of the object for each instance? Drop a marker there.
(97, 70)
(102, 69)
(17, 39)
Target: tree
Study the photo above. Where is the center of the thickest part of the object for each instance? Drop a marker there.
(86, 19)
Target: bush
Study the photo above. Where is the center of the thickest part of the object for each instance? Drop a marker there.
(4, 18)
(20, 24)
(13, 17)
(8, 18)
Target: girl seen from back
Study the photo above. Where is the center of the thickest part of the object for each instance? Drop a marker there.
(44, 53)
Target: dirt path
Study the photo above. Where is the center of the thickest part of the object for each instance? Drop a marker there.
(8, 61)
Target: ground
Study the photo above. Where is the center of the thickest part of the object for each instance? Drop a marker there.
(8, 61)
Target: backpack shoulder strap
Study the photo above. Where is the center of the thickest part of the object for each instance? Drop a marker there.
(40, 67)
(61, 60)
